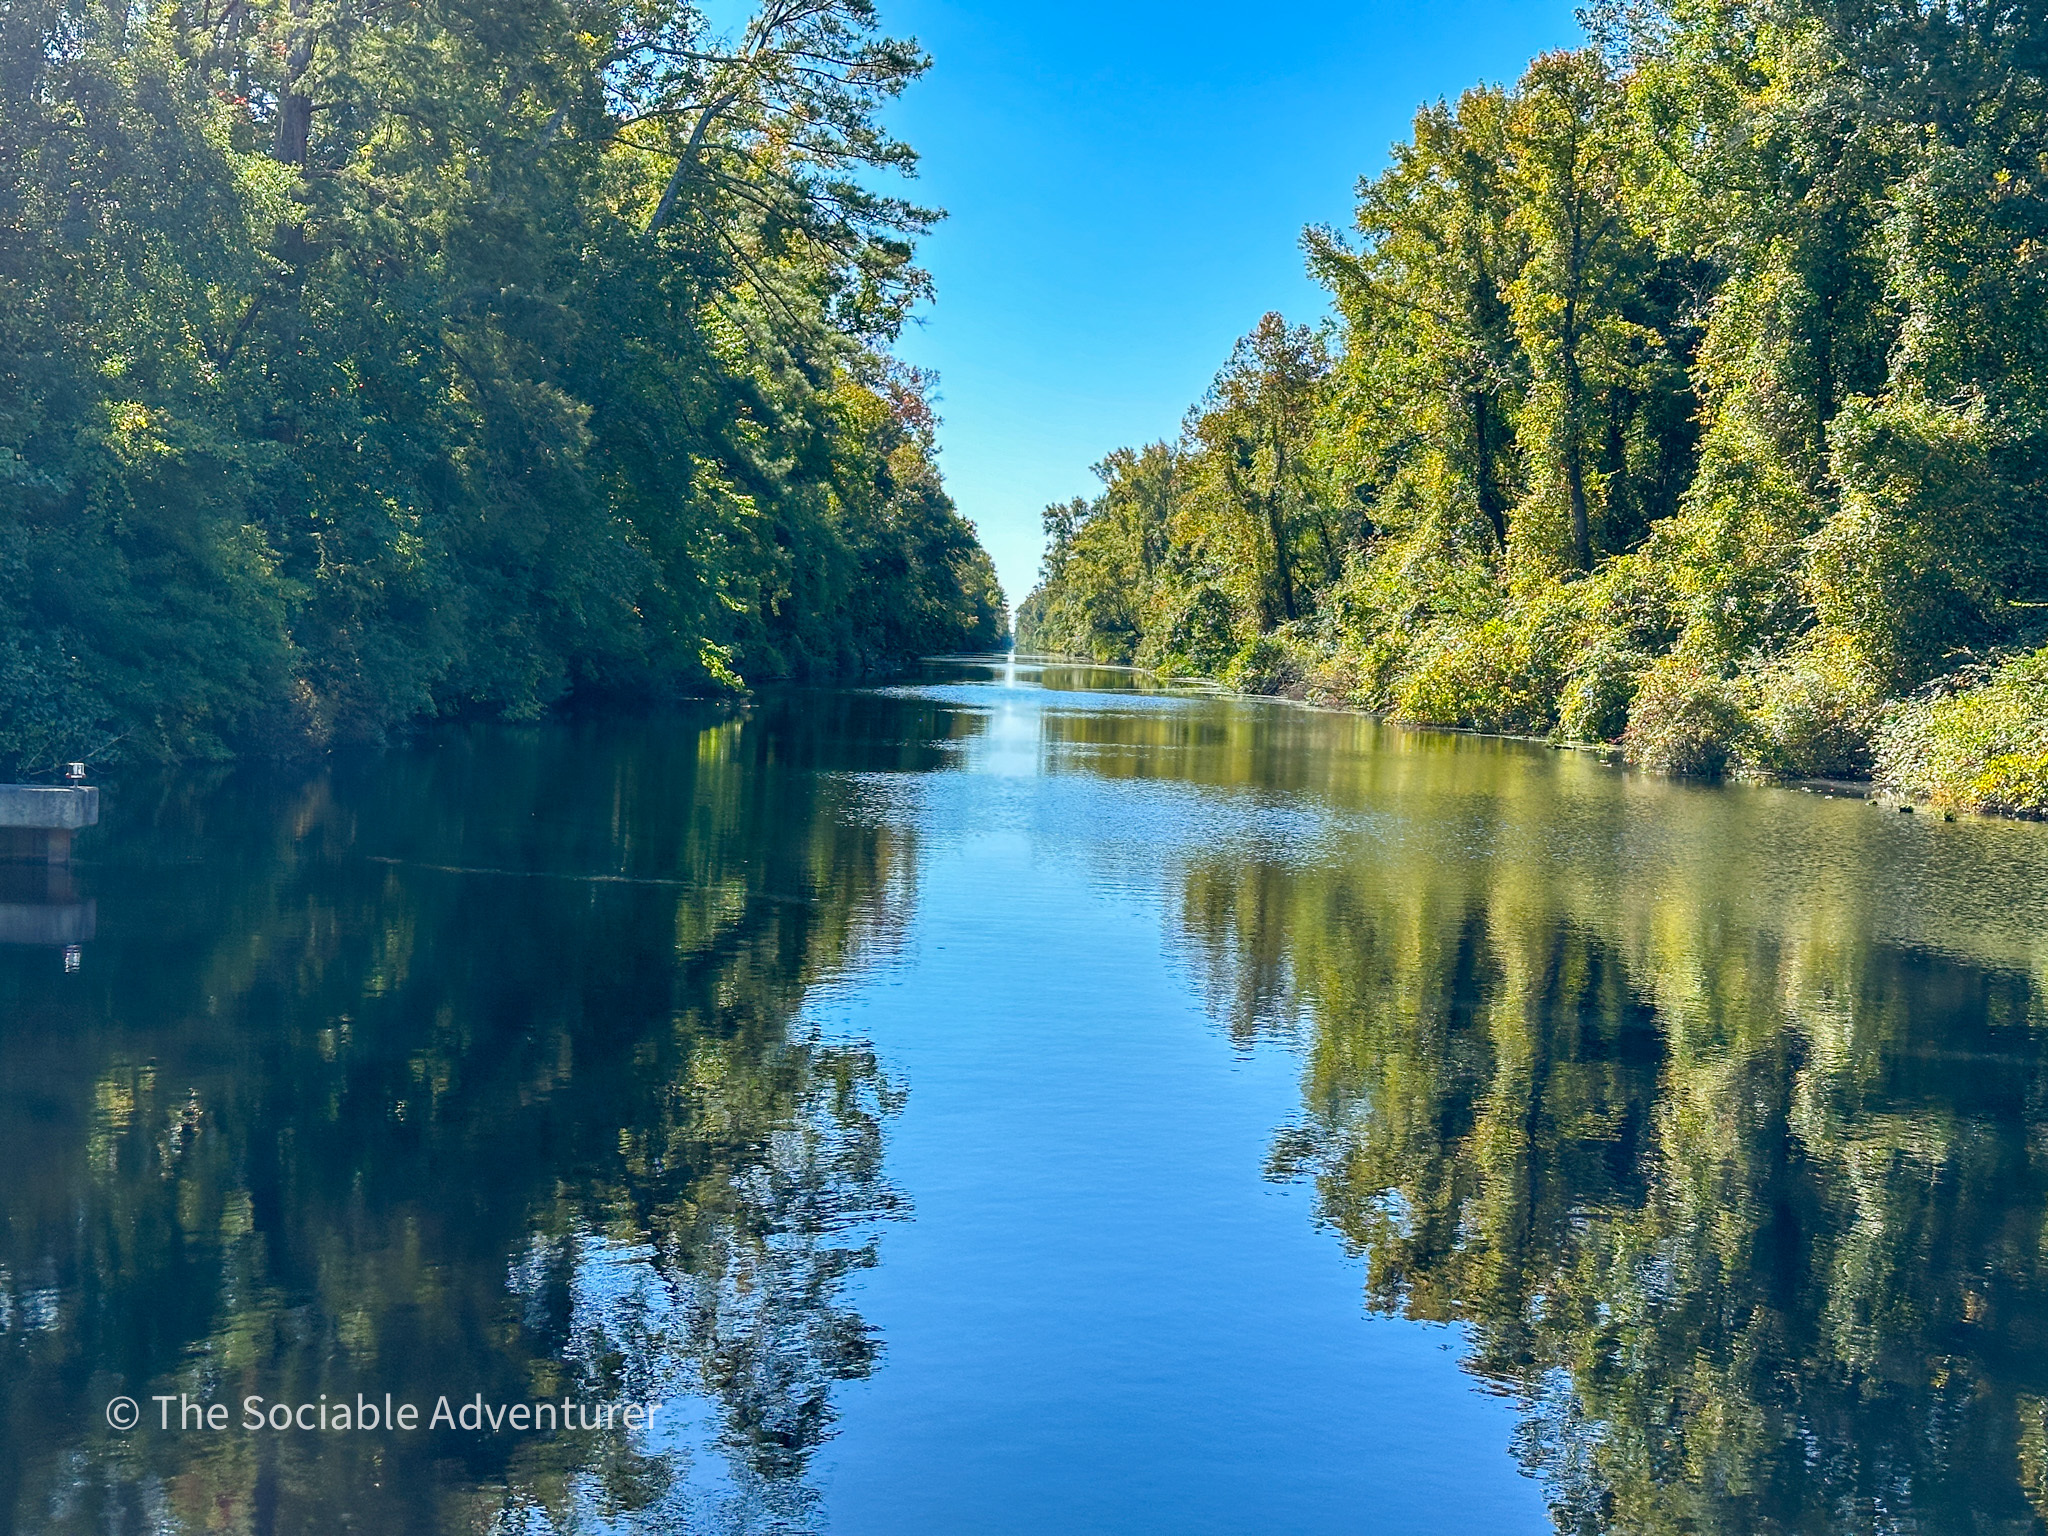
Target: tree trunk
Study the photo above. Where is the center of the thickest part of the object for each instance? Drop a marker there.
(1573, 425)
(1276, 522)
(1490, 501)
(294, 106)
(1575, 483)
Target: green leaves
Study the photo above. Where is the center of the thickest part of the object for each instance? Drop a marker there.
(1693, 392)
(343, 383)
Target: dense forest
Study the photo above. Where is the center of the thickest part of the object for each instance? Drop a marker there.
(363, 361)
(1690, 394)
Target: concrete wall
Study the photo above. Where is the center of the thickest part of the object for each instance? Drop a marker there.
(49, 806)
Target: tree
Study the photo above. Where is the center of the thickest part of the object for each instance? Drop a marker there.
(1255, 493)
(1569, 298)
(1431, 359)
(347, 385)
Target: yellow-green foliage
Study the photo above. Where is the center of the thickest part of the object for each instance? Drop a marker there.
(1504, 675)
(1272, 663)
(1909, 564)
(1983, 748)
(1812, 710)
(1686, 718)
(1678, 395)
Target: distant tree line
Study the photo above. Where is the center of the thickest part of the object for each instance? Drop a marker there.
(369, 360)
(1692, 393)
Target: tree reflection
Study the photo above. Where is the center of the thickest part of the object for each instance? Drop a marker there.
(476, 1070)
(1741, 1197)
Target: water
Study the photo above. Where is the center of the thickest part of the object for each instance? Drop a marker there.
(1025, 1100)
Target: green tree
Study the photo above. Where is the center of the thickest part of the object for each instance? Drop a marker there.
(1254, 505)
(366, 365)
(1433, 374)
(1688, 395)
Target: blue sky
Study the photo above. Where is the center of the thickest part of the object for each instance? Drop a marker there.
(1126, 185)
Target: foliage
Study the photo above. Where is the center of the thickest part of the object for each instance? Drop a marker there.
(1269, 663)
(1685, 719)
(1976, 748)
(1813, 711)
(361, 364)
(1692, 392)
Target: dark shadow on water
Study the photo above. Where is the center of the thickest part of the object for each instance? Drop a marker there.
(477, 1068)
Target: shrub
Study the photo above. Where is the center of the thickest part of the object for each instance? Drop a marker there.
(1364, 670)
(1595, 702)
(1460, 680)
(1981, 747)
(1814, 709)
(1269, 664)
(1626, 618)
(1503, 675)
(1686, 719)
(1902, 565)
(1197, 635)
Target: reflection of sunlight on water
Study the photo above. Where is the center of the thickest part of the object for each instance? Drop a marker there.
(1018, 711)
(1010, 748)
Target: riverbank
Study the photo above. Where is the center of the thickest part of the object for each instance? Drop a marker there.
(1976, 750)
(1617, 434)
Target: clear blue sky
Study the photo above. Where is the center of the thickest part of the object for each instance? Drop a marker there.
(1126, 184)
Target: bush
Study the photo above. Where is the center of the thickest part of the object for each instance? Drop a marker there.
(1686, 719)
(1269, 664)
(1364, 670)
(1595, 702)
(1198, 635)
(1461, 680)
(1906, 564)
(1814, 710)
(1980, 748)
(1503, 675)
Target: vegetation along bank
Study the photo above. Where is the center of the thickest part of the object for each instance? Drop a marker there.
(366, 362)
(1691, 393)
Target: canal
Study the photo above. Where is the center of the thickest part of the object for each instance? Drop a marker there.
(1023, 1099)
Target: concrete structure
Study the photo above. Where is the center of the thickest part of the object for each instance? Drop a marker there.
(37, 820)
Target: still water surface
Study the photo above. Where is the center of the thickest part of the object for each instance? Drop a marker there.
(1023, 1100)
